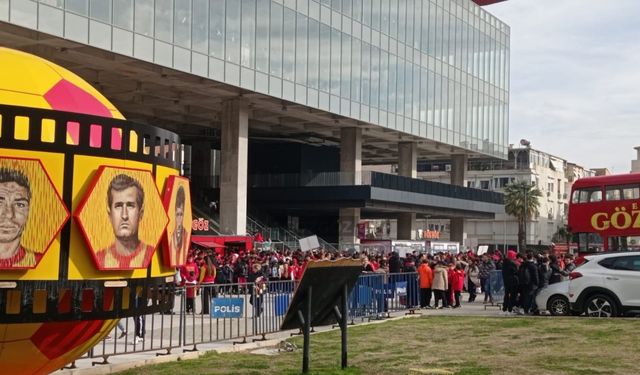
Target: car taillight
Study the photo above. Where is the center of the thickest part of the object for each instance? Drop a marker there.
(574, 275)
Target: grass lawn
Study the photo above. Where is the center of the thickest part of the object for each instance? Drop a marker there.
(462, 345)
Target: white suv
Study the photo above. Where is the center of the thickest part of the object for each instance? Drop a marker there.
(606, 285)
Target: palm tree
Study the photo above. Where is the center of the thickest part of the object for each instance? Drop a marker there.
(522, 201)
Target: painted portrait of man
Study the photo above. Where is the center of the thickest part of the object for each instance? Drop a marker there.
(15, 200)
(125, 208)
(179, 242)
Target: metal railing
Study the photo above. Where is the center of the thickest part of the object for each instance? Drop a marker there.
(244, 311)
(375, 179)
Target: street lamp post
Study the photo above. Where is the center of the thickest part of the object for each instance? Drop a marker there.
(526, 217)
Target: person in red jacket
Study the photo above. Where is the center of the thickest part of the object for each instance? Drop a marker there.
(450, 277)
(425, 276)
(190, 273)
(457, 283)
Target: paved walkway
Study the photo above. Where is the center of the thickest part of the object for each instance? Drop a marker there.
(121, 362)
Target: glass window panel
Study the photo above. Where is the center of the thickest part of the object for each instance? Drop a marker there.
(415, 114)
(232, 32)
(325, 57)
(409, 21)
(356, 69)
(357, 10)
(77, 6)
(346, 7)
(393, 19)
(289, 45)
(345, 87)
(384, 17)
(216, 28)
(393, 82)
(402, 16)
(199, 35)
(275, 53)
(417, 19)
(144, 17)
(301, 49)
(182, 23)
(164, 20)
(262, 35)
(375, 14)
(314, 52)
(50, 20)
(384, 79)
(123, 14)
(366, 73)
(248, 33)
(374, 82)
(366, 12)
(101, 10)
(335, 61)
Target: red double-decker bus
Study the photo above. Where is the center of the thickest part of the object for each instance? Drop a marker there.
(604, 213)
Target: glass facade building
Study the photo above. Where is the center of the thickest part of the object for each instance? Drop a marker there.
(436, 69)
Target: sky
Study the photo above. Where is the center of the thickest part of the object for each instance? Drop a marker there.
(575, 78)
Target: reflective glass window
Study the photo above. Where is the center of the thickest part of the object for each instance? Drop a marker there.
(262, 35)
(289, 45)
(123, 14)
(199, 35)
(77, 6)
(275, 53)
(374, 81)
(248, 33)
(216, 28)
(101, 10)
(314, 52)
(182, 23)
(232, 32)
(144, 17)
(356, 69)
(325, 57)
(301, 49)
(345, 84)
(164, 20)
(335, 61)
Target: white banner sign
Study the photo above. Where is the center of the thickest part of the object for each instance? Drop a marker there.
(309, 243)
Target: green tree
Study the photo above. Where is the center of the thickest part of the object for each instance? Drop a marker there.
(564, 234)
(522, 201)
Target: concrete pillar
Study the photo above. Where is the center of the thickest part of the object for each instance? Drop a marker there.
(408, 159)
(458, 170)
(201, 168)
(350, 174)
(407, 167)
(351, 156)
(233, 170)
(407, 226)
(348, 226)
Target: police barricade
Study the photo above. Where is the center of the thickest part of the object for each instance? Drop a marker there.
(149, 332)
(402, 291)
(495, 285)
(217, 312)
(365, 300)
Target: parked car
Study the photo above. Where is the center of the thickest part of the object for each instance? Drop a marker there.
(606, 285)
(554, 299)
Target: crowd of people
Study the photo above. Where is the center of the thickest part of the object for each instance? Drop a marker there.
(442, 277)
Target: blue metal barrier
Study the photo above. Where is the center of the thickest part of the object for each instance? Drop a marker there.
(496, 286)
(241, 311)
